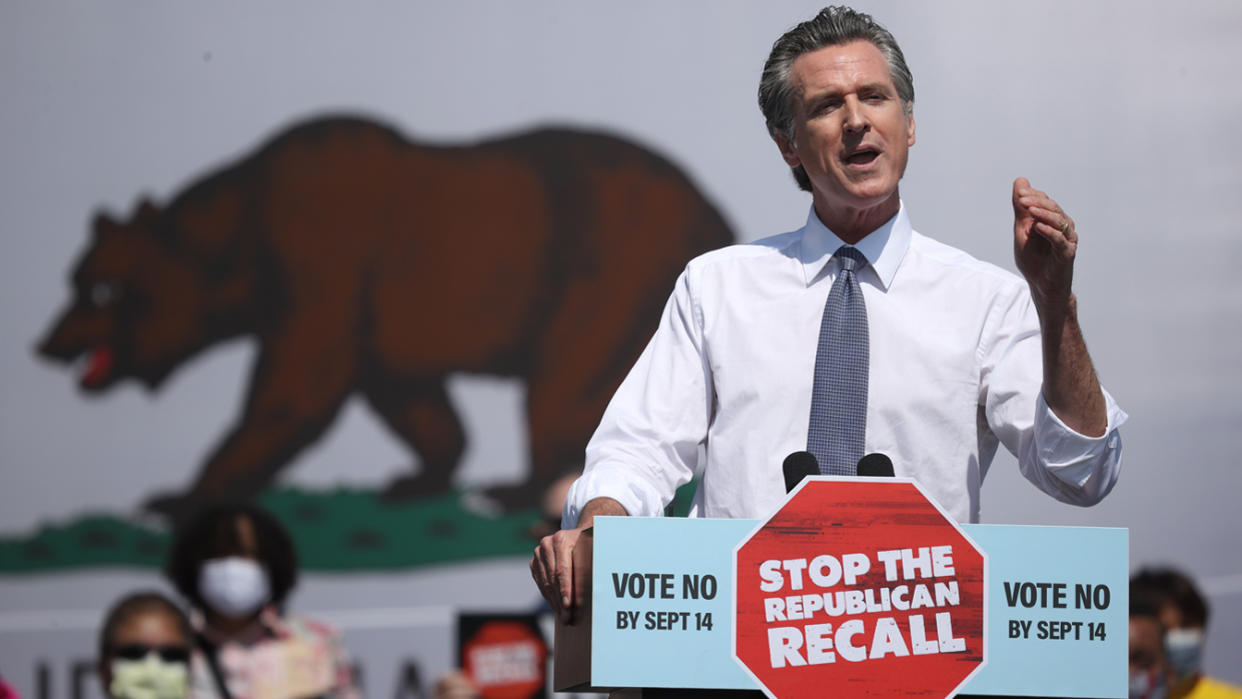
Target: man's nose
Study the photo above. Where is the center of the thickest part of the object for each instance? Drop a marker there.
(855, 118)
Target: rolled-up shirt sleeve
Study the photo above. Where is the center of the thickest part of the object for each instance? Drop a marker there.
(647, 443)
(1071, 466)
(1065, 464)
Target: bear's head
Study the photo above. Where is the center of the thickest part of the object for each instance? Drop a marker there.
(138, 307)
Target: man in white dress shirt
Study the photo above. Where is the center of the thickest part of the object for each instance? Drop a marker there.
(963, 356)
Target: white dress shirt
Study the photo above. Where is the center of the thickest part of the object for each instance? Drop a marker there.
(955, 367)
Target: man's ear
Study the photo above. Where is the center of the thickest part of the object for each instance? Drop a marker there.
(910, 125)
(788, 149)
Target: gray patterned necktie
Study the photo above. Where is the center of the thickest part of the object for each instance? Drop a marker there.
(839, 395)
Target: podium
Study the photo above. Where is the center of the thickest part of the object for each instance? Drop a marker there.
(671, 612)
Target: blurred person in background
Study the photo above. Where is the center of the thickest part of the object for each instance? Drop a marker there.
(236, 565)
(144, 649)
(1183, 613)
(551, 506)
(1150, 675)
(455, 685)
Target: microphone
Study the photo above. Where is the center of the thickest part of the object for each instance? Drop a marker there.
(797, 466)
(874, 465)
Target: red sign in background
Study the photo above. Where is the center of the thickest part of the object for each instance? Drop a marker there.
(506, 659)
(891, 598)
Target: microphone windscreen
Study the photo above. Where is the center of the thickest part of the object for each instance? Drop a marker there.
(797, 466)
(876, 466)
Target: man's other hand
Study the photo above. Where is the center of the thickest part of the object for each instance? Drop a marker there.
(553, 570)
(553, 564)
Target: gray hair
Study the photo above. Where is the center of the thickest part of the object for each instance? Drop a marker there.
(833, 26)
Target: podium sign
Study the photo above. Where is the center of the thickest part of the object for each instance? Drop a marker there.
(659, 612)
(863, 585)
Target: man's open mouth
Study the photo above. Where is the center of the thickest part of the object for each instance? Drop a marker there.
(862, 157)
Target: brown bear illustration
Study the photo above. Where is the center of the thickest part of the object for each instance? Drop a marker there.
(362, 261)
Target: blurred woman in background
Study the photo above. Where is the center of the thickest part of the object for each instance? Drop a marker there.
(236, 565)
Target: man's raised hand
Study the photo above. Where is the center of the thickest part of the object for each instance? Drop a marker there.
(1044, 245)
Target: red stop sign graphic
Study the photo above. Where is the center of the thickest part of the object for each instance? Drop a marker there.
(858, 588)
(505, 660)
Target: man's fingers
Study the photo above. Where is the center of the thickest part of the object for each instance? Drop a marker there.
(543, 569)
(1056, 219)
(1040, 200)
(563, 545)
(538, 571)
(1021, 188)
(553, 569)
(565, 570)
(549, 562)
(1055, 237)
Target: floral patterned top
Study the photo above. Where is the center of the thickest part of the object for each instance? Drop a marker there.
(295, 658)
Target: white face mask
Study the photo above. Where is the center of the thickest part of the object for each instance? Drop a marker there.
(235, 587)
(149, 678)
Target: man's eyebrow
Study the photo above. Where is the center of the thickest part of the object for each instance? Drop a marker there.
(836, 92)
(886, 88)
(822, 95)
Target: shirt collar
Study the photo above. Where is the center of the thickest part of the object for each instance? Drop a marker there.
(884, 247)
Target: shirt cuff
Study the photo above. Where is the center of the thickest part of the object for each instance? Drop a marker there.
(616, 481)
(1071, 456)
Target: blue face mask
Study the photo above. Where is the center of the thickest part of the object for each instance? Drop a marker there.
(1184, 650)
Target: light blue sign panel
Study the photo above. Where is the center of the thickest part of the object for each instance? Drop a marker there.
(659, 631)
(1058, 607)
(1058, 611)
